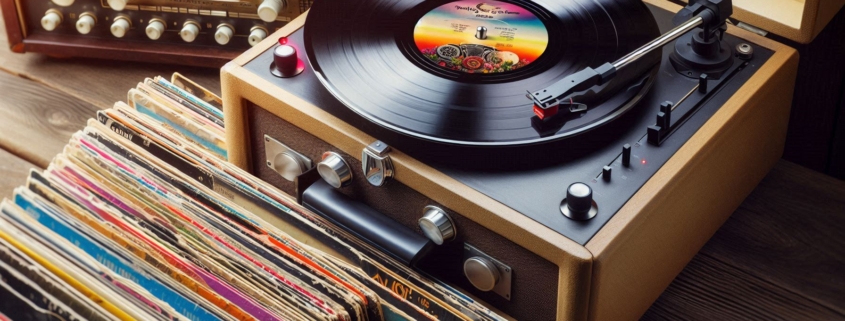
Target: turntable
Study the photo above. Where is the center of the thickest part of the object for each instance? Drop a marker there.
(557, 160)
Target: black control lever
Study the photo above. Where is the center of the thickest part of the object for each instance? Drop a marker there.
(366, 223)
(710, 14)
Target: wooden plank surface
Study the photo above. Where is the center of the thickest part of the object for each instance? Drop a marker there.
(37, 120)
(13, 172)
(779, 256)
(709, 289)
(790, 232)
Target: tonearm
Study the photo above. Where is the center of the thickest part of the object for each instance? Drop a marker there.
(708, 15)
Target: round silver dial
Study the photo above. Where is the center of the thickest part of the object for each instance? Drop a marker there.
(437, 225)
(334, 169)
(482, 273)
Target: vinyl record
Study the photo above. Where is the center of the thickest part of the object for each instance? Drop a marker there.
(457, 72)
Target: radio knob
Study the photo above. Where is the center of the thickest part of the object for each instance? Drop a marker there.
(190, 30)
(223, 34)
(155, 29)
(63, 3)
(256, 35)
(269, 9)
(578, 204)
(85, 23)
(334, 169)
(437, 225)
(482, 273)
(119, 27)
(51, 20)
(117, 4)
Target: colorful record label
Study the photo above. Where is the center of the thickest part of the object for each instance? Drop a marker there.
(481, 36)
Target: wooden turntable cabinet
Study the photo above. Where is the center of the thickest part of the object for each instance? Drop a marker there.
(615, 273)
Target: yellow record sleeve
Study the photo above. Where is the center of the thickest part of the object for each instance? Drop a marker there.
(106, 304)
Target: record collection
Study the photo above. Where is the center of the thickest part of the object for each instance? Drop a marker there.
(141, 217)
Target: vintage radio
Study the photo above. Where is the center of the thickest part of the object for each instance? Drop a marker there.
(474, 141)
(197, 33)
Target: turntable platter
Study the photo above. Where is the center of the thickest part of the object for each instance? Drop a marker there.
(457, 72)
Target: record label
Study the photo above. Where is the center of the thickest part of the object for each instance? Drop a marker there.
(481, 36)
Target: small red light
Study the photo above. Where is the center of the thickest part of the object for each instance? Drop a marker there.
(283, 40)
(643, 161)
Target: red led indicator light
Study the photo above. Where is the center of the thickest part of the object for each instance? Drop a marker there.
(643, 161)
(283, 40)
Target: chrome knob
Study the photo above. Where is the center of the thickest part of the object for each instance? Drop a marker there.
(482, 273)
(334, 169)
(289, 165)
(437, 225)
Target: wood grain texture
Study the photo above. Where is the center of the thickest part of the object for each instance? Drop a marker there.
(779, 257)
(709, 289)
(37, 121)
(13, 172)
(789, 232)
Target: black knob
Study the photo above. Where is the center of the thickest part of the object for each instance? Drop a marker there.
(702, 83)
(626, 155)
(578, 204)
(605, 173)
(285, 62)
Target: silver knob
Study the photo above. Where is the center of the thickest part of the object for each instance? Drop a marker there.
(437, 225)
(482, 273)
(334, 169)
(289, 165)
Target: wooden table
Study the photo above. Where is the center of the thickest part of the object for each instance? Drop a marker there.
(780, 256)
